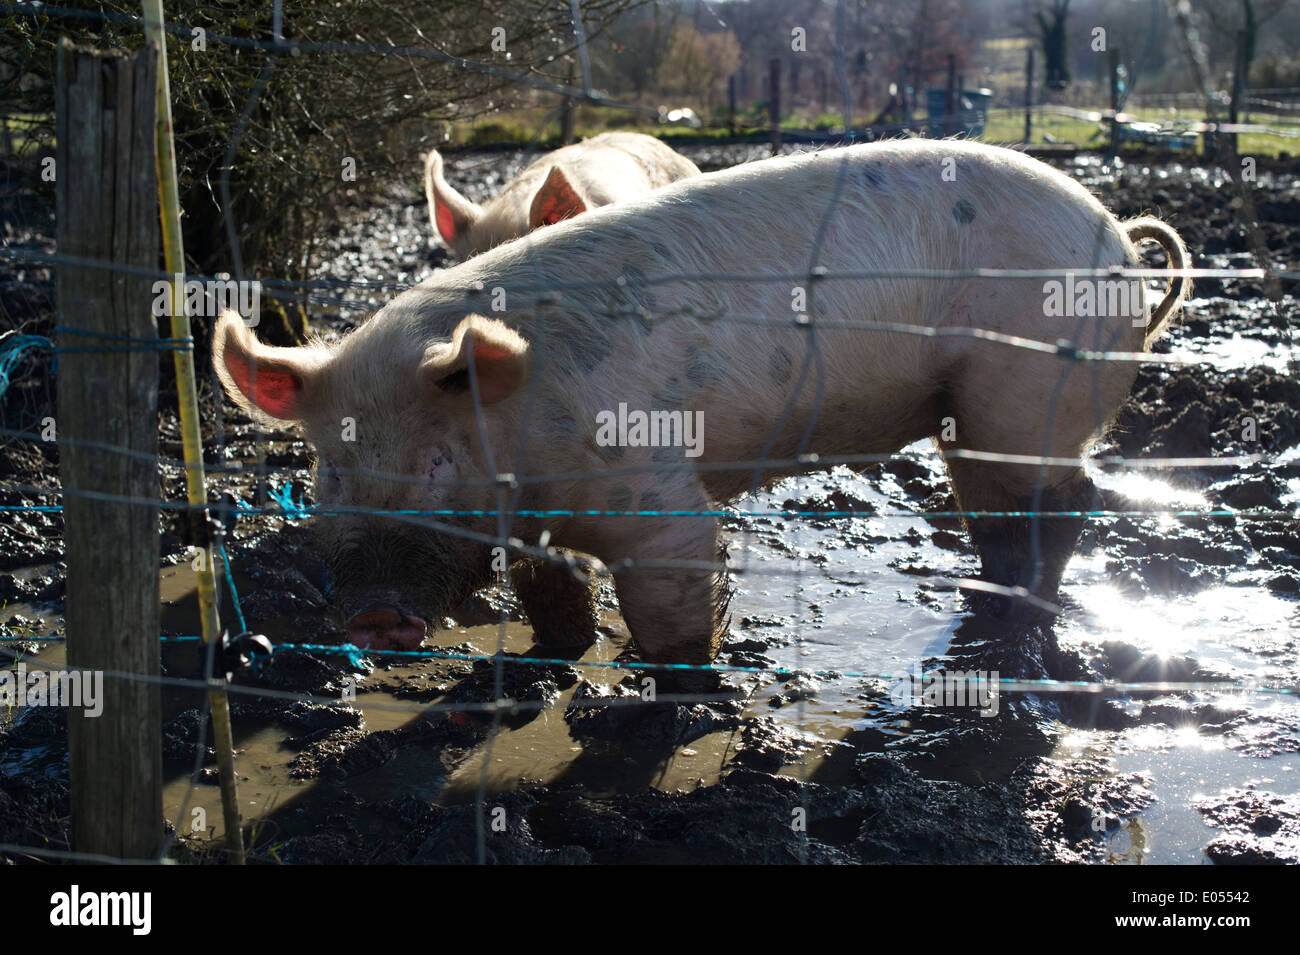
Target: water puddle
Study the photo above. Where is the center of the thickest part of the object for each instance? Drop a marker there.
(1236, 352)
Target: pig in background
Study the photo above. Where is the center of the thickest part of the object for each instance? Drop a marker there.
(444, 398)
(605, 169)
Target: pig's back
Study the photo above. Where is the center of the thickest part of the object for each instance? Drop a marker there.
(877, 210)
(659, 162)
(692, 296)
(864, 202)
(609, 168)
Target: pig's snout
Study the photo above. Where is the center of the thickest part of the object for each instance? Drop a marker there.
(390, 582)
(384, 626)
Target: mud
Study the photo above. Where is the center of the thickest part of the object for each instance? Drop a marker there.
(1259, 827)
(823, 760)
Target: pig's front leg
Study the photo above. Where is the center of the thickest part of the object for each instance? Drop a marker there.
(561, 608)
(675, 613)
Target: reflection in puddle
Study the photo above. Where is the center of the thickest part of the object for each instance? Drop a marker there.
(1237, 352)
(1128, 844)
(1140, 488)
(1228, 624)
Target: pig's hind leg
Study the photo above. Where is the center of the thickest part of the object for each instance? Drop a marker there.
(1028, 405)
(1024, 407)
(1009, 554)
(560, 606)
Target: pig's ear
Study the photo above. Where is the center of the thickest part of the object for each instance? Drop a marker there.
(261, 378)
(452, 214)
(556, 201)
(500, 359)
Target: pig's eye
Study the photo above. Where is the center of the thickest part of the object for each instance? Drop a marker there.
(438, 465)
(455, 383)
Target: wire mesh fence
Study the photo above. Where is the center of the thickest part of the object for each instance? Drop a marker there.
(31, 358)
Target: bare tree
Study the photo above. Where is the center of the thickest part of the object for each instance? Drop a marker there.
(1056, 49)
(1249, 16)
(296, 119)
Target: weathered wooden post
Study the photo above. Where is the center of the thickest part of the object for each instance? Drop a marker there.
(1114, 102)
(1238, 89)
(568, 115)
(774, 101)
(731, 104)
(903, 97)
(1029, 96)
(107, 208)
(949, 99)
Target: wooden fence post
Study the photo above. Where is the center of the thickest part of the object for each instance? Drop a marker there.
(949, 99)
(1029, 96)
(568, 114)
(731, 104)
(1238, 90)
(107, 208)
(774, 101)
(1114, 101)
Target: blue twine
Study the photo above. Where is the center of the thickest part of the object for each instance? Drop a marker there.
(357, 657)
(234, 594)
(284, 497)
(299, 511)
(12, 349)
(137, 343)
(163, 344)
(11, 353)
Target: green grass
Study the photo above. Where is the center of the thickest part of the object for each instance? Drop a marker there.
(1008, 126)
(1005, 125)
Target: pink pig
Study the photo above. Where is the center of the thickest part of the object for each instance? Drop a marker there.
(707, 298)
(608, 168)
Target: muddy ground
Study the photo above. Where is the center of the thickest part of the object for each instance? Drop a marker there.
(808, 727)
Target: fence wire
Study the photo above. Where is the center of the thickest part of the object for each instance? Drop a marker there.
(23, 351)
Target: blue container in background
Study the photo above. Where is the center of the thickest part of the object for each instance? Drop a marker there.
(971, 110)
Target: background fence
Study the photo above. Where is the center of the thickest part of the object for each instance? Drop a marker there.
(271, 488)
